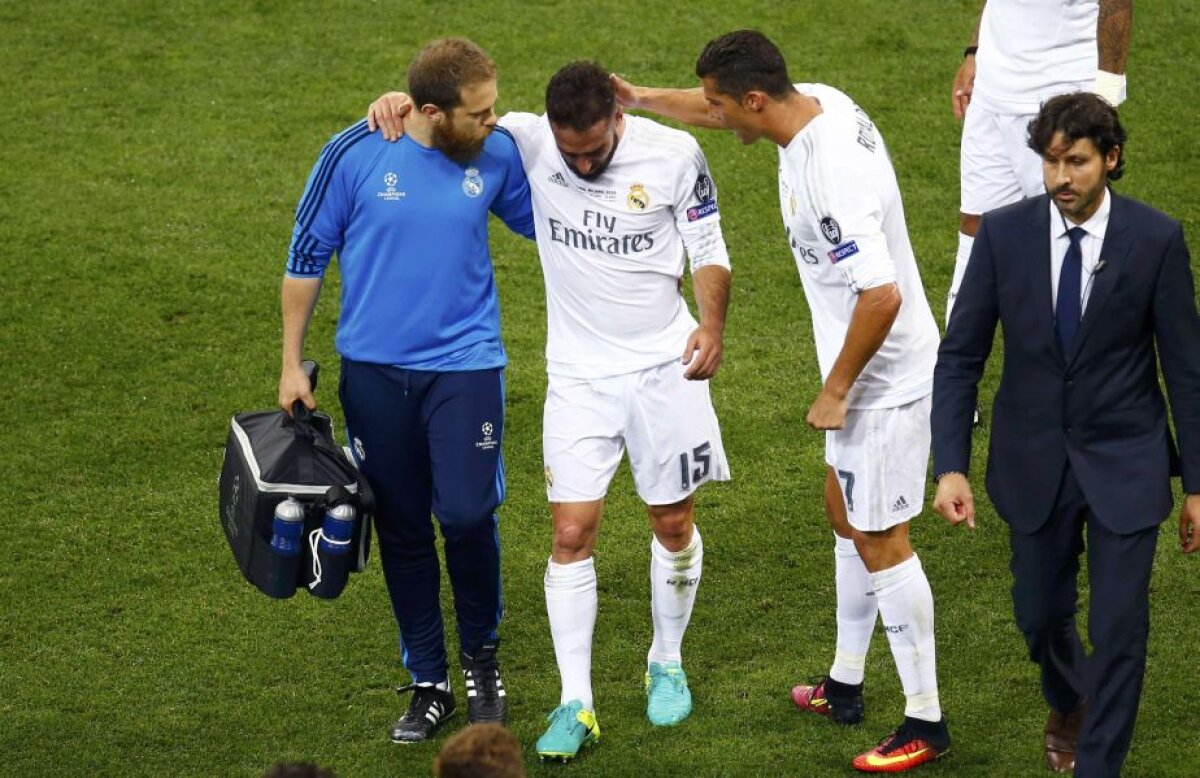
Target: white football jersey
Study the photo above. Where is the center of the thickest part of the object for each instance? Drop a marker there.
(1032, 50)
(613, 248)
(845, 223)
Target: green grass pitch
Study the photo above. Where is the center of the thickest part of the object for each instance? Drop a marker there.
(152, 155)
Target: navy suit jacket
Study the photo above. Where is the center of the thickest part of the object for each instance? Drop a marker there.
(1098, 408)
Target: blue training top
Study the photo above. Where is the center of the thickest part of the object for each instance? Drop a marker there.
(410, 228)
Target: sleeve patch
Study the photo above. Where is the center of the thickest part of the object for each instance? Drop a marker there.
(706, 208)
(831, 230)
(844, 251)
(703, 188)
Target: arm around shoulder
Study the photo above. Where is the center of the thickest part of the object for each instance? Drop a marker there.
(684, 105)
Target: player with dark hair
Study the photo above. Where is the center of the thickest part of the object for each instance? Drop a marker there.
(876, 345)
(422, 380)
(620, 202)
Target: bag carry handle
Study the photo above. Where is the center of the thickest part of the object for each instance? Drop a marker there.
(300, 411)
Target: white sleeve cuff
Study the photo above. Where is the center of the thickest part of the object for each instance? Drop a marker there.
(1110, 86)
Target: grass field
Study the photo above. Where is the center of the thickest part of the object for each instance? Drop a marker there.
(152, 155)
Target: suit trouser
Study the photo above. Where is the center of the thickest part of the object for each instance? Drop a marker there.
(1045, 568)
(430, 443)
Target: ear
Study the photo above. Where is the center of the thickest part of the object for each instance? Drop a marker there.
(433, 113)
(1112, 158)
(754, 101)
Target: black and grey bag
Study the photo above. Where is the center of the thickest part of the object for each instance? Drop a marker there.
(269, 457)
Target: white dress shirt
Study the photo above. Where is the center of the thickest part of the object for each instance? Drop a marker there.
(1089, 246)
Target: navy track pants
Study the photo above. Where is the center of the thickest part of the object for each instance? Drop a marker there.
(429, 443)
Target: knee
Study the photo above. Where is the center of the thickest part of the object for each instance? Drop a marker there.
(1042, 615)
(463, 522)
(403, 535)
(465, 510)
(884, 549)
(573, 541)
(672, 525)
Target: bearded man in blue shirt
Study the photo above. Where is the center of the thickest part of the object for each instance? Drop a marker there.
(422, 384)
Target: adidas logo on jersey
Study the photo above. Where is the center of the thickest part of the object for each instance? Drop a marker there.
(557, 178)
(900, 504)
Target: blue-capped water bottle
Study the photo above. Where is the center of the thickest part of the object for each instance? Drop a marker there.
(337, 529)
(287, 527)
(331, 557)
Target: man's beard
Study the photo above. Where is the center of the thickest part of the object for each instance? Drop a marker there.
(1084, 199)
(600, 167)
(460, 147)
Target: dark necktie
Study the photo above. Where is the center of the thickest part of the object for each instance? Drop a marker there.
(1069, 310)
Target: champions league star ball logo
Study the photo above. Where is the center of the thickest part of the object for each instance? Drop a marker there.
(390, 193)
(472, 185)
(488, 443)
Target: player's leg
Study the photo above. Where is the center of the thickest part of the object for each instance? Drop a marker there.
(839, 695)
(676, 558)
(464, 415)
(582, 448)
(881, 458)
(674, 443)
(571, 605)
(382, 409)
(1025, 162)
(676, 565)
(986, 181)
(571, 602)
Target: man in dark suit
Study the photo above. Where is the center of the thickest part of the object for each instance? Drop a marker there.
(1086, 286)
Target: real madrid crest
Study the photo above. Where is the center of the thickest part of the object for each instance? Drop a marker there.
(637, 200)
(472, 184)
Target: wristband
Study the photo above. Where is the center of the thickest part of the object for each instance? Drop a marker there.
(969, 51)
(1110, 86)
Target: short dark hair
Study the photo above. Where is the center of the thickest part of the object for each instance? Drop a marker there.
(742, 61)
(480, 751)
(1080, 115)
(579, 95)
(440, 70)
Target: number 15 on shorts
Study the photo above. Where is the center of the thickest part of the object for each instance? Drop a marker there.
(694, 467)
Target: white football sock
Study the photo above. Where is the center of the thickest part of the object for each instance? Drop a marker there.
(906, 606)
(856, 611)
(674, 578)
(443, 685)
(571, 604)
(965, 242)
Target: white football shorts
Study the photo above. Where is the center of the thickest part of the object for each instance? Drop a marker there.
(666, 422)
(880, 457)
(996, 167)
